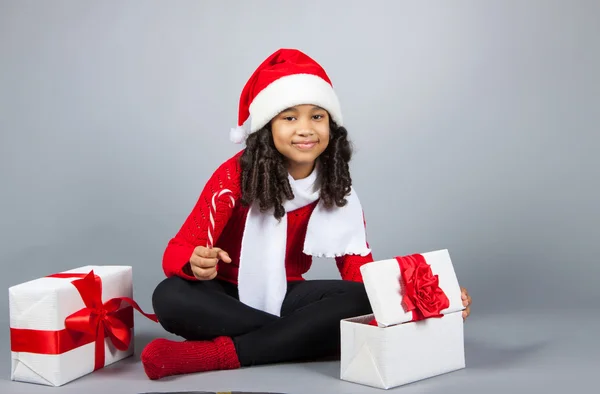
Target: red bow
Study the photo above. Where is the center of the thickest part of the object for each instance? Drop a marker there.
(93, 323)
(422, 293)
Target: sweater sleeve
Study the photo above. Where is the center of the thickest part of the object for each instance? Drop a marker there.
(349, 265)
(194, 231)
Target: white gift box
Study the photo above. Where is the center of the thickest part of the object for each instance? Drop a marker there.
(54, 336)
(402, 349)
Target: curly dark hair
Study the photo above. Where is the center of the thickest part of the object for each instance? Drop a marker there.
(265, 177)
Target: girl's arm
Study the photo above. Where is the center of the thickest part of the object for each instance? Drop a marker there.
(349, 265)
(194, 231)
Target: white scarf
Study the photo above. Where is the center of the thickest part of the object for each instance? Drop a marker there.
(262, 280)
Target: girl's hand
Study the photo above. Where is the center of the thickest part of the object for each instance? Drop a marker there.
(203, 262)
(466, 299)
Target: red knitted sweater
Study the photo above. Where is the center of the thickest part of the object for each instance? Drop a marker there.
(229, 228)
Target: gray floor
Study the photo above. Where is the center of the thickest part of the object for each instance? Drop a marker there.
(552, 351)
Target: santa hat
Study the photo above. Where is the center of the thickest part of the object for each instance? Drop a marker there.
(286, 78)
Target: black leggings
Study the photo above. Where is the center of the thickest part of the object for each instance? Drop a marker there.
(308, 329)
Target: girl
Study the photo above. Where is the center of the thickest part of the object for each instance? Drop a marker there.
(284, 198)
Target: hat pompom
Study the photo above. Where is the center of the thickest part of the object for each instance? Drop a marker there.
(237, 135)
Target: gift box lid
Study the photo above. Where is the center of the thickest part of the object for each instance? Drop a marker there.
(412, 287)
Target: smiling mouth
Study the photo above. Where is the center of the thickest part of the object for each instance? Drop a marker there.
(305, 145)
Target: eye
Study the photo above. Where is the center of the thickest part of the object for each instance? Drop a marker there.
(288, 118)
(318, 117)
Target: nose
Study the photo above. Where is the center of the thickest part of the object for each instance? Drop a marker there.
(304, 132)
(304, 126)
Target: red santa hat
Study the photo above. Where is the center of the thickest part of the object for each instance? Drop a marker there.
(286, 78)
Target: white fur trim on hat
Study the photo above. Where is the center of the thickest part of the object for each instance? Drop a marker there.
(293, 90)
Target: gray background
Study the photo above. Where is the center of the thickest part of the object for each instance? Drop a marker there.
(475, 125)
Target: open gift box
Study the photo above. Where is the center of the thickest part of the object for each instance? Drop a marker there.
(416, 329)
(66, 325)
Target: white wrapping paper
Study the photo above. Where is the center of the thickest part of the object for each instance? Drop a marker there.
(387, 357)
(43, 304)
(399, 351)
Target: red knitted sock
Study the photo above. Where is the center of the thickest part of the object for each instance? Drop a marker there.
(163, 357)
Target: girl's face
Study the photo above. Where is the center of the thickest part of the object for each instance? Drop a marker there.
(301, 134)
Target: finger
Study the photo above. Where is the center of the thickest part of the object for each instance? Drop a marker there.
(207, 263)
(224, 256)
(202, 262)
(214, 275)
(202, 271)
(204, 274)
(207, 252)
(214, 252)
(466, 301)
(201, 251)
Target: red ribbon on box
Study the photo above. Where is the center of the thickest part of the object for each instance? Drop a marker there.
(91, 324)
(422, 293)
